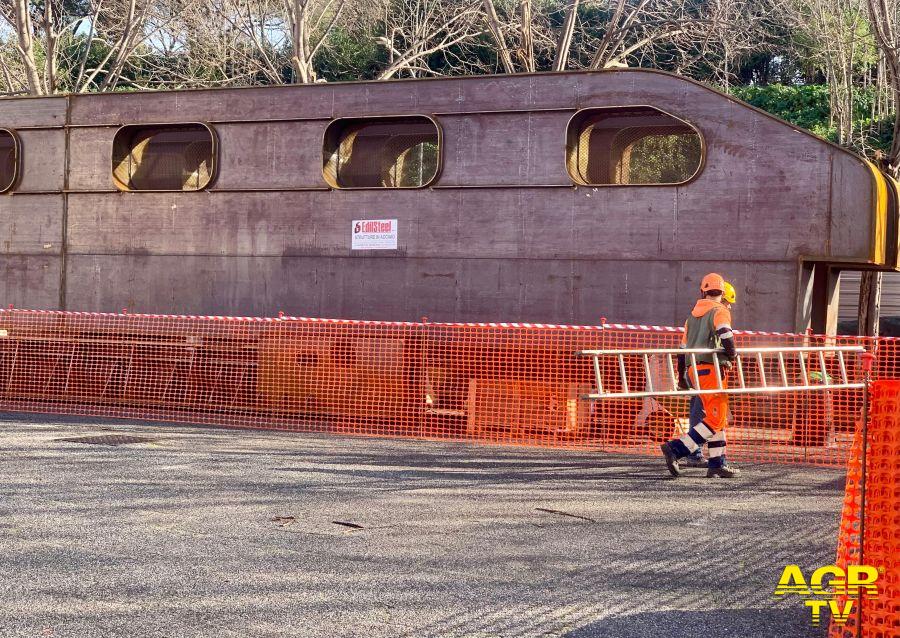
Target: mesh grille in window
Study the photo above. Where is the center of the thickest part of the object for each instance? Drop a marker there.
(632, 145)
(163, 157)
(399, 152)
(9, 156)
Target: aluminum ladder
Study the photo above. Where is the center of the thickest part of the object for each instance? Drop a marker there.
(807, 359)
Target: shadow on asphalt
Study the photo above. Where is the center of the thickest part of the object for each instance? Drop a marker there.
(719, 623)
(234, 533)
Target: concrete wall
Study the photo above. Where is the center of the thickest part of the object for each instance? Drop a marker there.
(503, 234)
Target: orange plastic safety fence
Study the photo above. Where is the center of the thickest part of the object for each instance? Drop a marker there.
(881, 530)
(501, 383)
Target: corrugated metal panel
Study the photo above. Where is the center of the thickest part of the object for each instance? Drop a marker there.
(849, 297)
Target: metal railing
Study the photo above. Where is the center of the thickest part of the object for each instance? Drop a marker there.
(808, 360)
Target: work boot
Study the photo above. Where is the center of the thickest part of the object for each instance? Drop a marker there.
(726, 471)
(693, 460)
(671, 460)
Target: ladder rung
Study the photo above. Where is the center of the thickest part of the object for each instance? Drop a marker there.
(804, 377)
(672, 371)
(805, 356)
(843, 366)
(622, 372)
(824, 369)
(783, 369)
(762, 369)
(598, 375)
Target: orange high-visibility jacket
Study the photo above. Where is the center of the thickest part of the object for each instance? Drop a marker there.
(709, 326)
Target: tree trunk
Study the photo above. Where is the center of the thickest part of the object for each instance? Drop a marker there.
(494, 26)
(564, 44)
(26, 48)
(527, 36)
(300, 54)
(869, 302)
(614, 34)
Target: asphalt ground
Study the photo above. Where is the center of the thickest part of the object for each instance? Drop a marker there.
(237, 533)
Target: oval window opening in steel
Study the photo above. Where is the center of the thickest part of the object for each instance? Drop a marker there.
(164, 157)
(632, 145)
(9, 159)
(383, 152)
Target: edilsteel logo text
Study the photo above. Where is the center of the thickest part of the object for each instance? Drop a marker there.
(830, 587)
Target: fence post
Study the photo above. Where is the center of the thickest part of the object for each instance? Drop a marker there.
(868, 360)
(420, 382)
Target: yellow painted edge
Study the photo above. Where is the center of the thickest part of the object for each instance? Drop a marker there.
(879, 238)
(897, 204)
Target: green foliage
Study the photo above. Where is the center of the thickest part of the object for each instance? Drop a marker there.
(663, 159)
(804, 105)
(417, 165)
(876, 134)
(74, 46)
(350, 56)
(807, 106)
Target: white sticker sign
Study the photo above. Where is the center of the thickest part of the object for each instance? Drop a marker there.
(374, 234)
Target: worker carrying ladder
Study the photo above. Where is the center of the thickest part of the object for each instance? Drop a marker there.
(650, 374)
(810, 361)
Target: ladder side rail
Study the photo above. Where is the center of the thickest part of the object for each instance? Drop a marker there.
(598, 375)
(728, 391)
(824, 368)
(718, 371)
(783, 369)
(762, 369)
(672, 371)
(814, 352)
(649, 380)
(623, 373)
(804, 376)
(843, 367)
(694, 368)
(766, 350)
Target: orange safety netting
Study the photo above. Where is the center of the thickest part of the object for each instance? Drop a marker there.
(877, 532)
(499, 383)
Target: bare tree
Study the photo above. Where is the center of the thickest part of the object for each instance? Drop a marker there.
(729, 32)
(310, 22)
(259, 41)
(527, 48)
(564, 42)
(597, 34)
(635, 28)
(222, 43)
(116, 28)
(21, 12)
(11, 70)
(178, 43)
(835, 36)
(40, 29)
(884, 17)
(496, 28)
(885, 21)
(417, 29)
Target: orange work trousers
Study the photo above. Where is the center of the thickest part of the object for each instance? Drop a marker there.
(711, 409)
